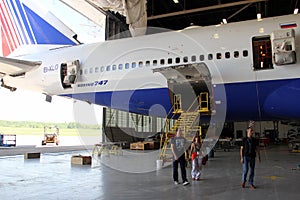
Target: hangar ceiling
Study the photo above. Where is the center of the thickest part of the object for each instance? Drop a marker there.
(168, 14)
(179, 14)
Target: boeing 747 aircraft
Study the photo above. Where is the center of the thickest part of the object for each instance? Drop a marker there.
(240, 71)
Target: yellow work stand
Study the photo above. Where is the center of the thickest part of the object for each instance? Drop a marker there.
(107, 148)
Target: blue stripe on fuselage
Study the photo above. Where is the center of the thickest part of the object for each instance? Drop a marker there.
(284, 101)
(241, 100)
(155, 102)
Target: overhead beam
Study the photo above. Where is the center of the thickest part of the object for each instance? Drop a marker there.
(220, 6)
(240, 10)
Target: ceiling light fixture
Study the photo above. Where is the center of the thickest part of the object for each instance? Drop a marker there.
(176, 1)
(296, 11)
(258, 16)
(224, 21)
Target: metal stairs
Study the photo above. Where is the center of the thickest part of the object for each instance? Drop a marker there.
(188, 121)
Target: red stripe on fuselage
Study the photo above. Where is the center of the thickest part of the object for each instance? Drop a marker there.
(8, 31)
(5, 48)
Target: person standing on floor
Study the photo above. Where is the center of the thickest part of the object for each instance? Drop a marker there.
(249, 148)
(196, 158)
(178, 147)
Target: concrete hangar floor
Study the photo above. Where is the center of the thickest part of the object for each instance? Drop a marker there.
(52, 176)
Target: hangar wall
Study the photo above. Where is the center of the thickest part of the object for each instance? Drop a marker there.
(120, 125)
(264, 128)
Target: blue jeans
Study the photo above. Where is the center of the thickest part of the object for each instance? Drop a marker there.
(181, 161)
(248, 161)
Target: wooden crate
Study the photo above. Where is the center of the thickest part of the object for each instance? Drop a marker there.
(81, 160)
(32, 155)
(151, 144)
(140, 146)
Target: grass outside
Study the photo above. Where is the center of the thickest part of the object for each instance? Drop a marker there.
(40, 131)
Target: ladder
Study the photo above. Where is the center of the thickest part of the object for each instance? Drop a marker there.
(177, 104)
(188, 121)
(203, 102)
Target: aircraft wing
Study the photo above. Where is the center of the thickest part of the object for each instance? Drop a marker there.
(16, 67)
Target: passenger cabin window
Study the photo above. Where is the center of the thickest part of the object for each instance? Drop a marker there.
(147, 63)
(193, 58)
(201, 57)
(97, 70)
(133, 65)
(236, 54)
(140, 64)
(120, 67)
(227, 55)
(114, 67)
(185, 59)
(162, 61)
(177, 60)
(210, 56)
(219, 55)
(126, 65)
(169, 61)
(262, 53)
(154, 62)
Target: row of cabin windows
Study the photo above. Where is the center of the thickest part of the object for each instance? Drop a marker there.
(169, 61)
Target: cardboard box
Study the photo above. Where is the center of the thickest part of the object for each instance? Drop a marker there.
(81, 160)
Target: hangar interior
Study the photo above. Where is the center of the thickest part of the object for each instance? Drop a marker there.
(176, 15)
(180, 14)
(110, 177)
(152, 16)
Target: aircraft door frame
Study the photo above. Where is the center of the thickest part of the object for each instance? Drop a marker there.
(187, 82)
(69, 73)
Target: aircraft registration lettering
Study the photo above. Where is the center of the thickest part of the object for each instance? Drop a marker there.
(51, 68)
(93, 84)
